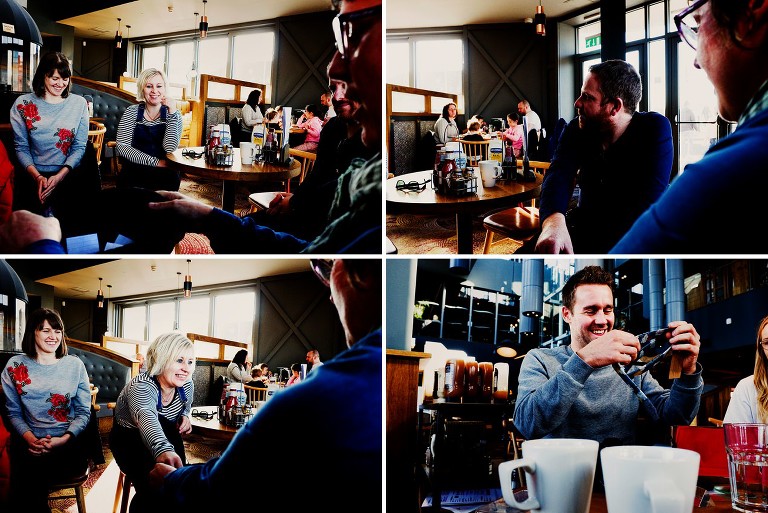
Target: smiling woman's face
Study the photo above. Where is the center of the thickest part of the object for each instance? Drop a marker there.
(55, 85)
(47, 339)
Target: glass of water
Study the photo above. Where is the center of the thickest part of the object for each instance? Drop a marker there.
(747, 447)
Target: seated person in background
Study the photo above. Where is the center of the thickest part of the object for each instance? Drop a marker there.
(326, 100)
(749, 401)
(146, 133)
(270, 118)
(50, 133)
(479, 119)
(573, 391)
(514, 134)
(152, 415)
(312, 124)
(346, 389)
(445, 126)
(239, 369)
(257, 379)
(296, 212)
(623, 159)
(48, 403)
(295, 376)
(473, 133)
(251, 115)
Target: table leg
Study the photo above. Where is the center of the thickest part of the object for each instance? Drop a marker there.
(464, 233)
(228, 196)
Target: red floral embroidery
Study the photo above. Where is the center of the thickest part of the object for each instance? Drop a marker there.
(29, 112)
(66, 136)
(20, 376)
(59, 406)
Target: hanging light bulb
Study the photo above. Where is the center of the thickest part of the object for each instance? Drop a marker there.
(118, 35)
(109, 299)
(193, 71)
(204, 23)
(188, 282)
(99, 297)
(540, 20)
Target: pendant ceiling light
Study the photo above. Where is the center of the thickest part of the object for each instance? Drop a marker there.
(204, 23)
(99, 297)
(188, 282)
(118, 35)
(540, 20)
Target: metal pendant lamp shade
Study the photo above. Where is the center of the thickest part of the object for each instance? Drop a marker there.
(100, 297)
(540, 20)
(118, 35)
(506, 349)
(204, 23)
(532, 300)
(188, 282)
(24, 27)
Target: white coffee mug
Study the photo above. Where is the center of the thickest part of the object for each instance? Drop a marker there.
(247, 152)
(490, 171)
(559, 473)
(643, 479)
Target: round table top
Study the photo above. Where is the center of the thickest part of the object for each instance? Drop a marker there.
(429, 201)
(237, 172)
(212, 428)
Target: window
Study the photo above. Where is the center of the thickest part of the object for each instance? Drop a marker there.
(635, 25)
(252, 57)
(162, 319)
(234, 316)
(437, 65)
(153, 57)
(588, 38)
(181, 57)
(194, 315)
(134, 322)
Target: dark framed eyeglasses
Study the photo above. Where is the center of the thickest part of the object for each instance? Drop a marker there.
(191, 154)
(322, 268)
(687, 25)
(207, 415)
(402, 185)
(349, 27)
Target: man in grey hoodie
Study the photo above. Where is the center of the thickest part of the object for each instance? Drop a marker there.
(573, 391)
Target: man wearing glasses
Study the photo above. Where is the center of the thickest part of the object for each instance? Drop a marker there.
(338, 406)
(621, 158)
(576, 392)
(731, 42)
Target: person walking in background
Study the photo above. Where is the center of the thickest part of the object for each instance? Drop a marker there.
(346, 389)
(749, 401)
(731, 42)
(313, 358)
(445, 126)
(152, 415)
(48, 401)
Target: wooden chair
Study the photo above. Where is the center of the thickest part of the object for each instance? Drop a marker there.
(255, 394)
(76, 484)
(122, 493)
(307, 159)
(520, 223)
(475, 149)
(96, 133)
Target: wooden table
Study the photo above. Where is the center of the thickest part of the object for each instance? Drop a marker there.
(428, 202)
(232, 175)
(211, 428)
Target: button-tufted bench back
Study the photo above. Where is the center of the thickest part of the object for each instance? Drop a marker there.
(106, 374)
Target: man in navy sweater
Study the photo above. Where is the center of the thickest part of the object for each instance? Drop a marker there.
(621, 159)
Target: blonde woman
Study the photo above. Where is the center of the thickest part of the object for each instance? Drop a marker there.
(146, 133)
(749, 401)
(152, 414)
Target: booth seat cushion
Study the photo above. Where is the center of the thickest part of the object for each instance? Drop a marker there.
(106, 374)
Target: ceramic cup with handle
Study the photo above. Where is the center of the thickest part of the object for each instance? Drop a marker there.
(490, 171)
(559, 473)
(247, 152)
(642, 479)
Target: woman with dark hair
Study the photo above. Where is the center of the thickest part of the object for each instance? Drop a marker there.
(50, 129)
(147, 132)
(239, 370)
(48, 401)
(445, 126)
(749, 401)
(251, 112)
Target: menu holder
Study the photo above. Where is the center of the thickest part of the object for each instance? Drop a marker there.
(455, 183)
(222, 156)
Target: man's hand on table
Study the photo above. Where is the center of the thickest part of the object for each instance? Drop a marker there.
(554, 238)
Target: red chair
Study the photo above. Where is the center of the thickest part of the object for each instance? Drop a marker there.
(709, 442)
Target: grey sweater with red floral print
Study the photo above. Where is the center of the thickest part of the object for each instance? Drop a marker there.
(49, 135)
(47, 399)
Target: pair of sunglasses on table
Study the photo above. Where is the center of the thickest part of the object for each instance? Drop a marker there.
(412, 186)
(654, 348)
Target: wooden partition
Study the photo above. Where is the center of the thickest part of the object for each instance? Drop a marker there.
(221, 344)
(111, 354)
(222, 99)
(411, 112)
(177, 91)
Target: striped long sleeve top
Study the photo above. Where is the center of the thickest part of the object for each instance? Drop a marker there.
(137, 408)
(128, 122)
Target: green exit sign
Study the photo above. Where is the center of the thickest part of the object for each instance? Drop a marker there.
(593, 41)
